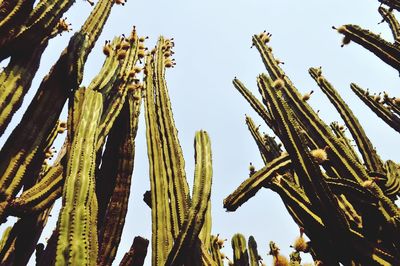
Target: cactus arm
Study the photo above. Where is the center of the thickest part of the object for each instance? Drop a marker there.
(77, 242)
(391, 119)
(108, 72)
(117, 165)
(254, 102)
(117, 93)
(200, 201)
(394, 25)
(178, 187)
(27, 233)
(387, 52)
(250, 186)
(161, 227)
(393, 4)
(16, 80)
(392, 185)
(265, 151)
(351, 188)
(371, 158)
(98, 16)
(40, 196)
(339, 133)
(215, 251)
(136, 254)
(253, 252)
(240, 253)
(205, 233)
(297, 203)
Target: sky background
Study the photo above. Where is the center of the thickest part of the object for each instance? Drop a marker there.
(212, 45)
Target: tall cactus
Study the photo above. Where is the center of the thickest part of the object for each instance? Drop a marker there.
(319, 177)
(177, 217)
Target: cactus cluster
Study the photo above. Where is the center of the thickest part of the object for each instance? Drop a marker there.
(343, 202)
(92, 172)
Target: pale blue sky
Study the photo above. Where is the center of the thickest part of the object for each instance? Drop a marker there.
(213, 41)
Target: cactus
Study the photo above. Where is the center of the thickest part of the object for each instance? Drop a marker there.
(77, 241)
(322, 182)
(176, 226)
(137, 252)
(21, 153)
(114, 91)
(240, 253)
(387, 109)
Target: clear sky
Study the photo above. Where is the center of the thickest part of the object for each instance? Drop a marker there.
(213, 41)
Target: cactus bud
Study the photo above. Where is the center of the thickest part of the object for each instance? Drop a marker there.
(319, 155)
(252, 169)
(278, 84)
(121, 54)
(307, 96)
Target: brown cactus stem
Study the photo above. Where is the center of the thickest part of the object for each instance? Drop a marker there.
(116, 173)
(387, 52)
(391, 119)
(36, 27)
(24, 236)
(137, 253)
(394, 25)
(48, 256)
(12, 15)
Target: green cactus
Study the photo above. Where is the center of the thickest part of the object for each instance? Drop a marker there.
(321, 180)
(240, 253)
(379, 108)
(77, 241)
(176, 226)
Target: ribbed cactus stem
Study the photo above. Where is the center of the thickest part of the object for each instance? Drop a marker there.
(117, 168)
(394, 25)
(378, 108)
(261, 178)
(240, 253)
(386, 51)
(77, 240)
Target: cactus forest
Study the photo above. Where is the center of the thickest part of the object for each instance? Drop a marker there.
(331, 179)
